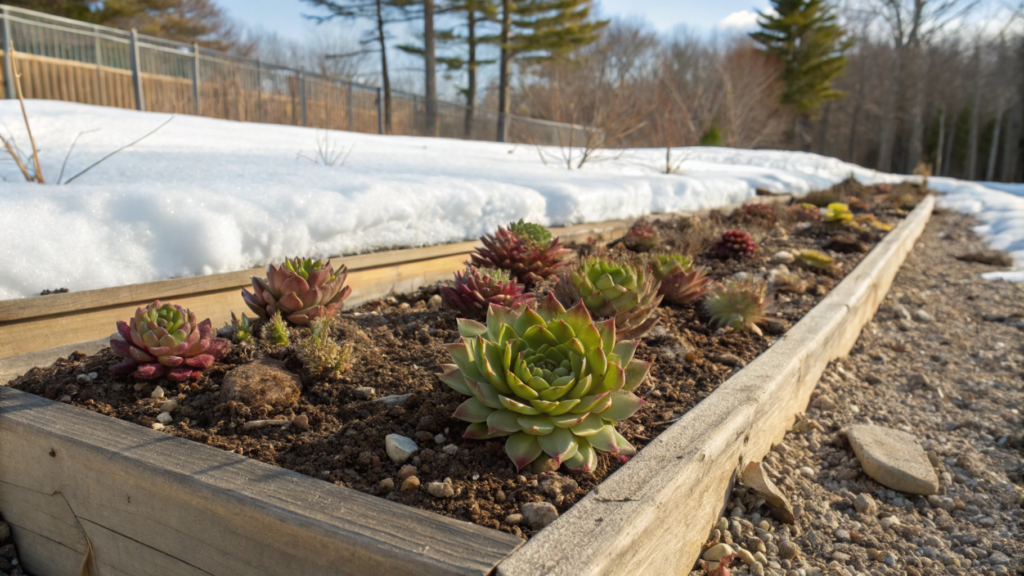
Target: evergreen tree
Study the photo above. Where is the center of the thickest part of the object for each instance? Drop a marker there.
(382, 13)
(539, 30)
(805, 36)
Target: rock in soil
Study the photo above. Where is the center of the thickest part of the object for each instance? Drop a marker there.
(539, 514)
(893, 458)
(957, 386)
(264, 383)
(399, 448)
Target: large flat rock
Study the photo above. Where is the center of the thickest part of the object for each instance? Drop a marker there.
(893, 458)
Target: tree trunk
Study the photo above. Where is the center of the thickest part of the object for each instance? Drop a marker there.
(822, 145)
(947, 155)
(385, 80)
(942, 137)
(916, 73)
(430, 67)
(888, 132)
(972, 138)
(471, 69)
(503, 70)
(1011, 143)
(990, 172)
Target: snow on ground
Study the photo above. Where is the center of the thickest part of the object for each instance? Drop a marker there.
(203, 196)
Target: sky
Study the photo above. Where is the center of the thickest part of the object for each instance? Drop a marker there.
(284, 16)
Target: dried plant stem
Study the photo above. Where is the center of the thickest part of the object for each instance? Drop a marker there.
(17, 159)
(126, 146)
(24, 114)
(70, 150)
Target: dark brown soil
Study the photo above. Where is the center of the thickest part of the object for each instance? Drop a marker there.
(398, 350)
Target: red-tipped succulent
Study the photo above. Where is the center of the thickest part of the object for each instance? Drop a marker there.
(164, 339)
(301, 289)
(476, 289)
(642, 237)
(681, 283)
(526, 250)
(733, 244)
(760, 213)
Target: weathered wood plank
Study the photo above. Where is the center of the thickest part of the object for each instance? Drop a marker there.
(683, 477)
(214, 511)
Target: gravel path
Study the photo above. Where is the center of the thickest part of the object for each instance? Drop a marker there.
(941, 360)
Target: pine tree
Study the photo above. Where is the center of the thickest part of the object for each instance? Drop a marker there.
(805, 36)
(540, 30)
(382, 13)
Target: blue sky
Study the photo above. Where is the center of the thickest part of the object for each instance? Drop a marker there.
(284, 16)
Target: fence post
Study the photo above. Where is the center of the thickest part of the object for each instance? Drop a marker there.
(380, 110)
(195, 77)
(259, 90)
(140, 99)
(99, 64)
(350, 124)
(8, 64)
(302, 94)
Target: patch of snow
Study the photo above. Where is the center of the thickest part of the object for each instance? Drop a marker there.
(1000, 212)
(205, 196)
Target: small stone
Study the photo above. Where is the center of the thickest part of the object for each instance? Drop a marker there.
(434, 304)
(755, 545)
(514, 519)
(893, 458)
(889, 522)
(169, 406)
(157, 392)
(364, 393)
(745, 556)
(788, 550)
(782, 257)
(824, 402)
(164, 418)
(411, 483)
(922, 317)
(841, 535)
(865, 504)
(439, 439)
(723, 525)
(997, 558)
(441, 489)
(157, 426)
(807, 472)
(757, 569)
(755, 477)
(761, 558)
(399, 448)
(539, 514)
(394, 399)
(385, 486)
(301, 422)
(450, 449)
(405, 471)
(717, 552)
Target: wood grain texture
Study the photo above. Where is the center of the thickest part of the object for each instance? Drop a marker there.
(151, 503)
(43, 322)
(652, 515)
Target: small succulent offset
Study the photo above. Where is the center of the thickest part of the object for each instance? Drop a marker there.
(242, 328)
(681, 283)
(320, 354)
(738, 304)
(301, 289)
(164, 339)
(873, 222)
(624, 291)
(733, 244)
(524, 249)
(476, 289)
(814, 259)
(275, 331)
(759, 213)
(837, 213)
(553, 381)
(642, 237)
(804, 212)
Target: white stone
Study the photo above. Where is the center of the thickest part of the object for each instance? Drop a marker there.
(164, 418)
(439, 439)
(893, 458)
(782, 257)
(441, 489)
(158, 392)
(169, 406)
(450, 449)
(399, 447)
(539, 514)
(157, 426)
(717, 552)
(922, 316)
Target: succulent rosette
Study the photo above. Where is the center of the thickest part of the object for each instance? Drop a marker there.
(738, 304)
(551, 380)
(733, 244)
(837, 213)
(300, 289)
(164, 339)
(642, 237)
(475, 290)
(626, 292)
(681, 283)
(526, 250)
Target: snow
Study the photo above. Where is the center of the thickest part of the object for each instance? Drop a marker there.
(204, 196)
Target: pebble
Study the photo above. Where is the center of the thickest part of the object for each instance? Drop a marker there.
(385, 486)
(922, 317)
(807, 472)
(757, 569)
(865, 504)
(450, 449)
(439, 439)
(164, 418)
(441, 489)
(394, 399)
(514, 519)
(997, 558)
(745, 556)
(399, 448)
(893, 458)
(889, 522)
(717, 552)
(157, 426)
(411, 483)
(434, 304)
(788, 550)
(755, 545)
(169, 406)
(539, 514)
(405, 471)
(364, 393)
(761, 558)
(157, 392)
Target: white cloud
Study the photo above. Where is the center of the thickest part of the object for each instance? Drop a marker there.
(742, 20)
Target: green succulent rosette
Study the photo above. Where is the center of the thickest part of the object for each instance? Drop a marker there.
(551, 380)
(611, 289)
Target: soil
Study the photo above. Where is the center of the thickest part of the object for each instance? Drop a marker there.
(398, 350)
(943, 360)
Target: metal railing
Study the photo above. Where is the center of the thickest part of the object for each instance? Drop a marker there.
(63, 59)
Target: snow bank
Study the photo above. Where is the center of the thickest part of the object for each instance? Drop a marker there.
(203, 196)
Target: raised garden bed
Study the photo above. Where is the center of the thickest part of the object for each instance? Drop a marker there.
(398, 350)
